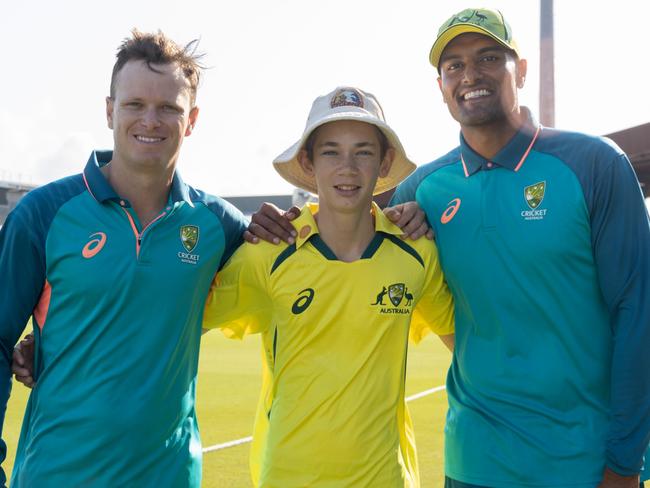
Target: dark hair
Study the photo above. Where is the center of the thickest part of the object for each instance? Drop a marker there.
(159, 49)
(311, 139)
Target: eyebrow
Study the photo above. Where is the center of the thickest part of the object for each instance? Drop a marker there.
(336, 144)
(483, 50)
(159, 102)
(488, 49)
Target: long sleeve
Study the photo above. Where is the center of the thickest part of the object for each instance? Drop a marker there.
(621, 246)
(22, 267)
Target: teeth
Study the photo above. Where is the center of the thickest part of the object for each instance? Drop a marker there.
(476, 94)
(148, 139)
(346, 187)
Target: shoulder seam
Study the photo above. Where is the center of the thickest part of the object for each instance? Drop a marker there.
(406, 248)
(283, 256)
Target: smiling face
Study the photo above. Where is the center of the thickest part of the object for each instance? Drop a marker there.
(150, 114)
(346, 163)
(479, 80)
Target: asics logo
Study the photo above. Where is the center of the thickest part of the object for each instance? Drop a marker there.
(98, 239)
(304, 300)
(451, 210)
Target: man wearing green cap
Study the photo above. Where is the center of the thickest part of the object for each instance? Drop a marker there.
(544, 240)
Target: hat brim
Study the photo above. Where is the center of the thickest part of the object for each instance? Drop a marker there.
(289, 168)
(456, 30)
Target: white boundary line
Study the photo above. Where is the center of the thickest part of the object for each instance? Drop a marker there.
(246, 440)
(424, 393)
(226, 445)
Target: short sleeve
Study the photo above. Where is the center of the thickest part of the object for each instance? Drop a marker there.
(435, 309)
(239, 301)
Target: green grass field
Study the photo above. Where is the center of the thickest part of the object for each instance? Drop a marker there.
(229, 382)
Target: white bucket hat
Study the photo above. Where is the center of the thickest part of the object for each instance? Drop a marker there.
(344, 103)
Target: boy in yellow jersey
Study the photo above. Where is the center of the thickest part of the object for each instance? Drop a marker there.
(335, 310)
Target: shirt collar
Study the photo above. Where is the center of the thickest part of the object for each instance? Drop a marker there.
(511, 156)
(101, 189)
(306, 226)
(180, 191)
(96, 182)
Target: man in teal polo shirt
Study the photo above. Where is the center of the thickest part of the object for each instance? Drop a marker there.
(114, 265)
(545, 243)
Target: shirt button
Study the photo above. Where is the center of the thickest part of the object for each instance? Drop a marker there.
(123, 203)
(489, 165)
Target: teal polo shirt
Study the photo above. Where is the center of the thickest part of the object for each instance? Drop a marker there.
(546, 249)
(117, 311)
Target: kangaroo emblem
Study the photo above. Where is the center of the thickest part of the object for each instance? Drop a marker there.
(380, 297)
(481, 18)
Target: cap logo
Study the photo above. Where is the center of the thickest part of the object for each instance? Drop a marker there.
(347, 97)
(478, 18)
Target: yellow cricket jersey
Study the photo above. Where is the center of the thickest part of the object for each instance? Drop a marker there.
(335, 334)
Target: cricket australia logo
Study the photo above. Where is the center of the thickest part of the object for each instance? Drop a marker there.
(189, 236)
(534, 195)
(347, 97)
(397, 293)
(189, 240)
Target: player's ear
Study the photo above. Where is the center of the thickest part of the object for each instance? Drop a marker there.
(440, 87)
(109, 111)
(306, 164)
(194, 114)
(387, 162)
(522, 68)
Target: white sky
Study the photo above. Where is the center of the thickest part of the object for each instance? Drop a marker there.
(270, 59)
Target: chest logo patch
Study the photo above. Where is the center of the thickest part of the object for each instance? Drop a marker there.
(189, 236)
(189, 239)
(397, 293)
(534, 195)
(450, 212)
(305, 298)
(96, 244)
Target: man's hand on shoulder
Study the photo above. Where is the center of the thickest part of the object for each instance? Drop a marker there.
(272, 224)
(22, 365)
(411, 219)
(613, 480)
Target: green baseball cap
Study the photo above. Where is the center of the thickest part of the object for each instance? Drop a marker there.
(480, 20)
